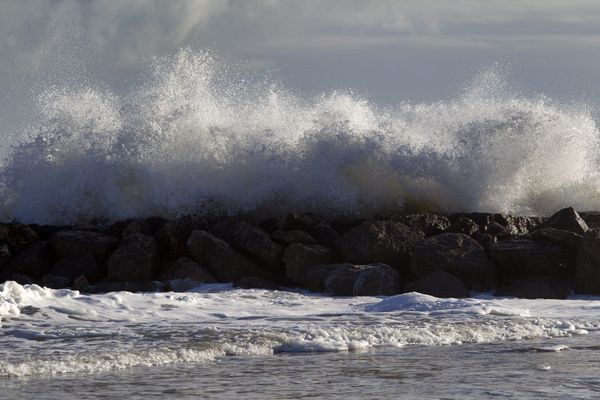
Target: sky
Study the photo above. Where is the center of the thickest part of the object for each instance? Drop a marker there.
(388, 51)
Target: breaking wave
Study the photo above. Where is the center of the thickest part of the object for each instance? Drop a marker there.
(198, 137)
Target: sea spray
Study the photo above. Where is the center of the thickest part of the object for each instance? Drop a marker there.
(199, 138)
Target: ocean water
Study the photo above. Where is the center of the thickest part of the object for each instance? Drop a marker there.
(217, 342)
(199, 136)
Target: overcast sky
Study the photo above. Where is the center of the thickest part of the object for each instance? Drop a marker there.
(391, 51)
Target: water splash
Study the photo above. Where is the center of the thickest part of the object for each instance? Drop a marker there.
(198, 137)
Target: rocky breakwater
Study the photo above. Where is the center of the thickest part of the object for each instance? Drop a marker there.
(441, 255)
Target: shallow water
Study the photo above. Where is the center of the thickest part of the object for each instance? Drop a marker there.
(214, 341)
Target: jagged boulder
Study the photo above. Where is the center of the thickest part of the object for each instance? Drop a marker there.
(75, 267)
(296, 236)
(587, 272)
(457, 254)
(463, 225)
(566, 219)
(135, 260)
(290, 222)
(75, 244)
(258, 243)
(316, 276)
(186, 268)
(298, 258)
(543, 287)
(19, 236)
(430, 224)
(362, 280)
(438, 283)
(255, 282)
(519, 258)
(387, 242)
(33, 260)
(222, 260)
(5, 253)
(171, 238)
(325, 235)
(568, 239)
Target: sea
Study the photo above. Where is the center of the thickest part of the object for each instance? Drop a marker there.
(214, 341)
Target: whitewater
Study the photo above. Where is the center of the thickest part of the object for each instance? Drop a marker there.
(197, 136)
(63, 336)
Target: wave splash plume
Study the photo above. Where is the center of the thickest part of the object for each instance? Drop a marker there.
(197, 137)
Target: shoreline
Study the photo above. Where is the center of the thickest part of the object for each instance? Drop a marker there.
(434, 254)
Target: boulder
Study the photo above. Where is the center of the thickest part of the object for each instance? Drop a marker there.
(135, 260)
(255, 282)
(430, 224)
(386, 242)
(591, 218)
(463, 225)
(56, 282)
(298, 258)
(75, 267)
(324, 234)
(172, 240)
(19, 236)
(222, 260)
(75, 244)
(544, 287)
(318, 274)
(517, 259)
(587, 271)
(186, 268)
(457, 254)
(296, 236)
(33, 260)
(258, 243)
(341, 281)
(290, 222)
(4, 253)
(363, 280)
(117, 286)
(438, 283)
(568, 239)
(566, 219)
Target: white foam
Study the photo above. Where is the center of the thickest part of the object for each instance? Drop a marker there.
(197, 137)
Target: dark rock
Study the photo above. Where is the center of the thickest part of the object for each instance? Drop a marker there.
(34, 260)
(171, 238)
(222, 260)
(591, 218)
(463, 225)
(255, 282)
(114, 286)
(75, 244)
(186, 268)
(439, 284)
(481, 219)
(455, 253)
(517, 259)
(318, 274)
(386, 242)
(377, 280)
(430, 224)
(494, 229)
(298, 258)
(544, 287)
(225, 228)
(136, 259)
(325, 235)
(72, 268)
(566, 219)
(21, 279)
(81, 283)
(19, 236)
(485, 240)
(341, 281)
(55, 282)
(4, 253)
(290, 222)
(257, 243)
(587, 276)
(565, 238)
(296, 236)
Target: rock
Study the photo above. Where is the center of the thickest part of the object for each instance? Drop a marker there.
(186, 268)
(439, 283)
(21, 279)
(455, 253)
(318, 274)
(496, 229)
(69, 245)
(430, 224)
(591, 218)
(55, 282)
(136, 259)
(298, 258)
(325, 235)
(4, 253)
(72, 268)
(485, 240)
(295, 236)
(377, 280)
(544, 287)
(587, 272)
(566, 219)
(255, 282)
(34, 260)
(223, 261)
(517, 259)
(19, 236)
(341, 281)
(290, 222)
(113, 286)
(258, 243)
(386, 242)
(559, 236)
(172, 240)
(463, 225)
(81, 283)
(225, 228)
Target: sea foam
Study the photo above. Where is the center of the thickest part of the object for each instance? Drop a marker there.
(197, 137)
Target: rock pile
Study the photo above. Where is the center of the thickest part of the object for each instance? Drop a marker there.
(445, 256)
